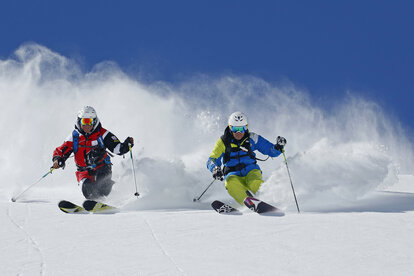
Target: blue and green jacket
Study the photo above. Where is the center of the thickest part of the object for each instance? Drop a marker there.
(238, 157)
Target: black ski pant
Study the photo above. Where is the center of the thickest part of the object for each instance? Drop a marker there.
(102, 185)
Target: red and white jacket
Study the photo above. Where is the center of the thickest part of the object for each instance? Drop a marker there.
(99, 140)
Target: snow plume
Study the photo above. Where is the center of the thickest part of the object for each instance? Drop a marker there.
(335, 155)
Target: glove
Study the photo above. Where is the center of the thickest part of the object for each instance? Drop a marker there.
(218, 173)
(280, 143)
(58, 162)
(129, 141)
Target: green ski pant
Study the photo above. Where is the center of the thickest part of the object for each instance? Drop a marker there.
(238, 185)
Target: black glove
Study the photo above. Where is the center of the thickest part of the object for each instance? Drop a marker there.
(125, 145)
(280, 143)
(129, 141)
(60, 161)
(218, 173)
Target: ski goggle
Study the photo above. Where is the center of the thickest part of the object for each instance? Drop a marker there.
(241, 129)
(87, 121)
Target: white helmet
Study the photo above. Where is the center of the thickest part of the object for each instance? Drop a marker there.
(87, 112)
(238, 119)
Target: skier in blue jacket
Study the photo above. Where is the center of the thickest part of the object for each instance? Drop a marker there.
(235, 151)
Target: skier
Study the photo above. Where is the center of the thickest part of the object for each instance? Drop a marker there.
(89, 142)
(234, 149)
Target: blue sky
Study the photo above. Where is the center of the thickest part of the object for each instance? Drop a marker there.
(326, 47)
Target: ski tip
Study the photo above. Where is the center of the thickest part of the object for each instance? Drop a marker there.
(223, 208)
(71, 208)
(66, 204)
(215, 204)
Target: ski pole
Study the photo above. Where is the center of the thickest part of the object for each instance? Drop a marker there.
(133, 171)
(198, 198)
(16, 197)
(291, 184)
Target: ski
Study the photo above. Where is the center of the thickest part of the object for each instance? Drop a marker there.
(98, 207)
(223, 208)
(71, 208)
(261, 207)
(89, 206)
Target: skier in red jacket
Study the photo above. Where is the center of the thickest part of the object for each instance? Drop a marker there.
(89, 142)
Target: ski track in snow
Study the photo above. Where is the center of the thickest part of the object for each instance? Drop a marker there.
(29, 238)
(154, 236)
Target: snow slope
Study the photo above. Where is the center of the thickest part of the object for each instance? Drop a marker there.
(38, 239)
(352, 167)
